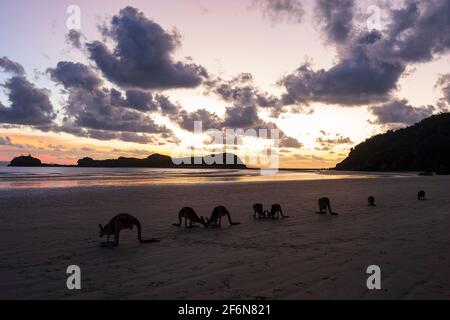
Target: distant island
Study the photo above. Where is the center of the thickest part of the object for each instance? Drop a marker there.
(153, 161)
(424, 146)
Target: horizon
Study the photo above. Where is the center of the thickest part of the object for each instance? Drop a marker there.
(162, 154)
(341, 72)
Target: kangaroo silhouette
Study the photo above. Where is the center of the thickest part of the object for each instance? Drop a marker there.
(258, 212)
(118, 223)
(189, 215)
(216, 217)
(421, 195)
(275, 212)
(371, 201)
(324, 204)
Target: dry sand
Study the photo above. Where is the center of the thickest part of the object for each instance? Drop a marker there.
(306, 256)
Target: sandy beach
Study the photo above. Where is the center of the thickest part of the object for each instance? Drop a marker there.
(307, 256)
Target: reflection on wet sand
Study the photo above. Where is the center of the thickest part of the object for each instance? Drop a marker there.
(81, 177)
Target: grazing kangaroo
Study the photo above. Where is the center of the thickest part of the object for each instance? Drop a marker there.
(216, 217)
(324, 204)
(421, 195)
(258, 212)
(275, 212)
(118, 223)
(371, 201)
(189, 214)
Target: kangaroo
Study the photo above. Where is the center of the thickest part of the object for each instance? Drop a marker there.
(324, 204)
(371, 201)
(275, 212)
(216, 217)
(118, 223)
(189, 214)
(421, 195)
(259, 213)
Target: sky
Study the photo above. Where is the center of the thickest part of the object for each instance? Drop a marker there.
(129, 78)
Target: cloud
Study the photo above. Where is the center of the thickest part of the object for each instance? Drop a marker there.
(241, 92)
(134, 99)
(29, 105)
(357, 79)
(242, 117)
(335, 18)
(74, 38)
(281, 10)
(10, 66)
(74, 75)
(93, 110)
(142, 55)
(399, 112)
(6, 141)
(289, 142)
(444, 83)
(370, 64)
(417, 32)
(209, 120)
(328, 142)
(101, 113)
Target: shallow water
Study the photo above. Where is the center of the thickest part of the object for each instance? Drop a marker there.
(17, 177)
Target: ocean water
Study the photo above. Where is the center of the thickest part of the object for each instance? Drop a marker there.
(16, 177)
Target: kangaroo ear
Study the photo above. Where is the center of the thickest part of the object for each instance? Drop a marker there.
(100, 226)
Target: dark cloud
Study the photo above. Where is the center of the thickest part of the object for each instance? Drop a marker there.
(137, 138)
(281, 10)
(101, 113)
(242, 117)
(142, 56)
(357, 79)
(29, 105)
(93, 110)
(10, 66)
(444, 83)
(399, 112)
(74, 38)
(417, 32)
(209, 120)
(5, 141)
(241, 92)
(134, 99)
(370, 64)
(74, 75)
(335, 17)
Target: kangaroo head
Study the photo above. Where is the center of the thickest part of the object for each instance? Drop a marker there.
(103, 230)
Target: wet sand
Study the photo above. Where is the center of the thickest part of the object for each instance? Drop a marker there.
(306, 256)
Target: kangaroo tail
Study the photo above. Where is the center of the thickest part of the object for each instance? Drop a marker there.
(139, 235)
(231, 222)
(283, 215)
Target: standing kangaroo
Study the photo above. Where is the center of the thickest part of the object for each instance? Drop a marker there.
(216, 217)
(258, 212)
(189, 214)
(118, 223)
(324, 204)
(421, 195)
(371, 201)
(275, 212)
